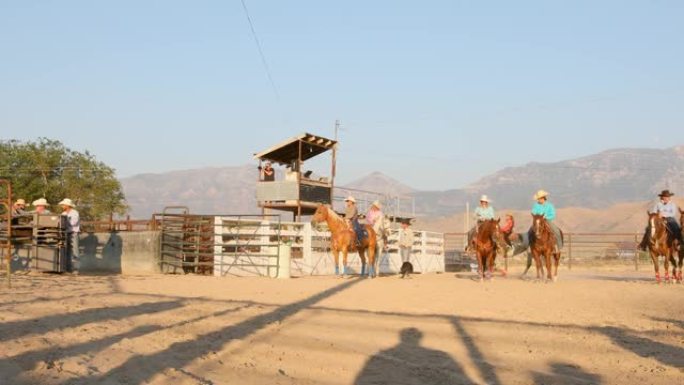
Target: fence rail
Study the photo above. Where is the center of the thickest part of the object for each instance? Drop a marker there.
(579, 249)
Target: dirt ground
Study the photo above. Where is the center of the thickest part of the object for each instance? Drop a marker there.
(588, 328)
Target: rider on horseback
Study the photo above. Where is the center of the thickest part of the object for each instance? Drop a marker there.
(351, 215)
(668, 210)
(545, 208)
(482, 213)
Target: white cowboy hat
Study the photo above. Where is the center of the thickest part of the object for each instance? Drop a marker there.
(20, 202)
(40, 202)
(377, 204)
(67, 202)
(484, 198)
(350, 199)
(540, 194)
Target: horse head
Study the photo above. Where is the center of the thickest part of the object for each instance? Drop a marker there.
(657, 224)
(539, 225)
(321, 214)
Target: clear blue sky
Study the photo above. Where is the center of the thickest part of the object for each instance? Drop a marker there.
(434, 93)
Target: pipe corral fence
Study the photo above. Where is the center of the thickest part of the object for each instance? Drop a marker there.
(584, 250)
(251, 245)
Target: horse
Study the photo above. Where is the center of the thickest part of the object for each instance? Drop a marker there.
(544, 244)
(343, 239)
(660, 242)
(382, 232)
(677, 270)
(488, 234)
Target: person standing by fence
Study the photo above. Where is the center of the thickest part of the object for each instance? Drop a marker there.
(406, 240)
(73, 230)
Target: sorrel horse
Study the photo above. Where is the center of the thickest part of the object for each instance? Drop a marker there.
(543, 243)
(486, 239)
(661, 243)
(343, 239)
(677, 270)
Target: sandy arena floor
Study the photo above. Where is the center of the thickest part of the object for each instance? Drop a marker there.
(589, 328)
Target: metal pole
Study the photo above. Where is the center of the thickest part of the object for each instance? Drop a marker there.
(8, 258)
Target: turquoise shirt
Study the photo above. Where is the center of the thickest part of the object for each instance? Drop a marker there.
(546, 209)
(482, 214)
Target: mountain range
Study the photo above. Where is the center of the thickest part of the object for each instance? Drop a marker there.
(593, 182)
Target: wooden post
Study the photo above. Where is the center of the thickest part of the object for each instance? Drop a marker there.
(569, 251)
(636, 252)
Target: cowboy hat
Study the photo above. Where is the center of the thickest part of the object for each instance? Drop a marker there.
(40, 202)
(540, 194)
(350, 199)
(377, 204)
(484, 198)
(666, 193)
(20, 202)
(67, 202)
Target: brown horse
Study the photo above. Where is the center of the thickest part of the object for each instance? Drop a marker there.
(677, 269)
(486, 239)
(343, 239)
(661, 243)
(543, 243)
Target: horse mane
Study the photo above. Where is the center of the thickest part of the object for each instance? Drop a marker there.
(336, 217)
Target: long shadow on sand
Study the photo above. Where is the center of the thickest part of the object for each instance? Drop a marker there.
(16, 329)
(666, 354)
(566, 374)
(140, 369)
(12, 368)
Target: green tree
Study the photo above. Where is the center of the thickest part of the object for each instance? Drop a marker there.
(48, 169)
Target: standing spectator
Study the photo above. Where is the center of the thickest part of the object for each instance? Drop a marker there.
(268, 173)
(73, 229)
(406, 239)
(18, 209)
(41, 206)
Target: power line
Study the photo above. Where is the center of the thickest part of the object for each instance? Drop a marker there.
(261, 52)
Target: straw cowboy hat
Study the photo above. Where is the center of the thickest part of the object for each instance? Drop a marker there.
(350, 199)
(40, 202)
(377, 204)
(484, 198)
(540, 194)
(67, 202)
(666, 193)
(20, 202)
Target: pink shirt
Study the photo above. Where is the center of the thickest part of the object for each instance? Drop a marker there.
(372, 216)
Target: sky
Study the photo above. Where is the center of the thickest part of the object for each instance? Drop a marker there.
(436, 94)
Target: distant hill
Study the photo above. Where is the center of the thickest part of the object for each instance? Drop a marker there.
(593, 182)
(596, 181)
(380, 183)
(224, 190)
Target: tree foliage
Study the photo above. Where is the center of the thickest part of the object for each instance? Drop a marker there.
(48, 169)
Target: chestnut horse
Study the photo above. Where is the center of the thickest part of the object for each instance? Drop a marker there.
(661, 243)
(343, 239)
(543, 243)
(677, 270)
(488, 234)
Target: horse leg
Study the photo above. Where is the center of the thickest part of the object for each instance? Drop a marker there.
(362, 256)
(480, 266)
(372, 260)
(666, 263)
(336, 254)
(345, 254)
(549, 268)
(537, 264)
(654, 257)
(529, 263)
(556, 259)
(490, 264)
